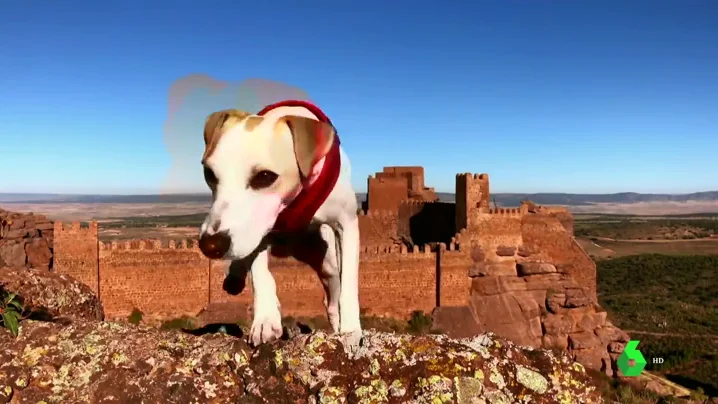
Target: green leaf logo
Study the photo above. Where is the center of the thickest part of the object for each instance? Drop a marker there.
(631, 353)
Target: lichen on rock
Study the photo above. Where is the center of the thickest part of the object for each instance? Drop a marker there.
(90, 361)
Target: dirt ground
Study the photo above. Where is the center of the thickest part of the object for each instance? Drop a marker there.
(160, 233)
(88, 211)
(99, 211)
(620, 248)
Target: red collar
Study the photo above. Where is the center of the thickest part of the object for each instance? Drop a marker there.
(301, 210)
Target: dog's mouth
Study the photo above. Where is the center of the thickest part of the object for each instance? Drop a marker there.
(249, 258)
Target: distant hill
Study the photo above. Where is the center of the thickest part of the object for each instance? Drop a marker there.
(503, 199)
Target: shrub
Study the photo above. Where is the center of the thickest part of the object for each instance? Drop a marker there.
(135, 317)
(11, 310)
(181, 323)
(419, 322)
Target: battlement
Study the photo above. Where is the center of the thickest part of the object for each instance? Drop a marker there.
(425, 249)
(377, 214)
(509, 212)
(416, 202)
(470, 176)
(145, 244)
(74, 228)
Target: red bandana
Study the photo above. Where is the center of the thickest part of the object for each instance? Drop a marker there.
(299, 213)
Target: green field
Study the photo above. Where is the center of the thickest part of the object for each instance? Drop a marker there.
(194, 220)
(630, 227)
(670, 304)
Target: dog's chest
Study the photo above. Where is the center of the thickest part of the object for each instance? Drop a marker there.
(307, 246)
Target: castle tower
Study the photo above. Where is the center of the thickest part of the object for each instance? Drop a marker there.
(76, 253)
(472, 197)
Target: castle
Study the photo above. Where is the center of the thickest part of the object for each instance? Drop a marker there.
(515, 271)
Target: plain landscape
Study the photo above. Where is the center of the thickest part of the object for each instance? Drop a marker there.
(85, 207)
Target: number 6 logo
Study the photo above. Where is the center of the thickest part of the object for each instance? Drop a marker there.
(631, 353)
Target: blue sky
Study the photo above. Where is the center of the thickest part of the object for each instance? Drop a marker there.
(544, 95)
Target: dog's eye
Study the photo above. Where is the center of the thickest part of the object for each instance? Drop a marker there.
(209, 176)
(262, 179)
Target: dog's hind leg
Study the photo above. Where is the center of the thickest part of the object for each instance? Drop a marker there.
(349, 267)
(330, 276)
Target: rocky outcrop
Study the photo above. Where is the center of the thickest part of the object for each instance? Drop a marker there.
(89, 361)
(531, 301)
(25, 240)
(50, 296)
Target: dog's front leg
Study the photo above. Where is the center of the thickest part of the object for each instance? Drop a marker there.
(267, 321)
(349, 295)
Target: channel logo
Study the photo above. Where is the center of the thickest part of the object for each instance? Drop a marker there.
(631, 353)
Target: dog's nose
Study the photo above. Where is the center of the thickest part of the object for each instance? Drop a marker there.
(215, 246)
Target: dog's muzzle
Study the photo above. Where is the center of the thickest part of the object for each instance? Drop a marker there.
(215, 246)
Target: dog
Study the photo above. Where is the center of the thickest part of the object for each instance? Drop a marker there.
(282, 171)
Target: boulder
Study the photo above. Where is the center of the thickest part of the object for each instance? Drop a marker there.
(609, 333)
(456, 322)
(577, 298)
(38, 253)
(505, 251)
(593, 358)
(510, 315)
(12, 254)
(51, 296)
(543, 281)
(558, 324)
(583, 340)
(525, 251)
(555, 301)
(506, 268)
(535, 268)
(491, 285)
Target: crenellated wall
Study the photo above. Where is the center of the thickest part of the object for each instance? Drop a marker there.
(171, 279)
(166, 279)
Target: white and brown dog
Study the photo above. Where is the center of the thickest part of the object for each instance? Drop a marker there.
(282, 171)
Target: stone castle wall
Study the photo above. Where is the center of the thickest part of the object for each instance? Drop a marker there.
(174, 279)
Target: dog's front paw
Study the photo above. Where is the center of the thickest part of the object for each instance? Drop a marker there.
(266, 326)
(351, 341)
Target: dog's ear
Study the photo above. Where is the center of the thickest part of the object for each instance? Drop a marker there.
(214, 127)
(312, 140)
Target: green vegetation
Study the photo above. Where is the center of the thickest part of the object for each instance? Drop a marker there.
(419, 323)
(193, 220)
(181, 323)
(135, 317)
(669, 303)
(625, 227)
(11, 310)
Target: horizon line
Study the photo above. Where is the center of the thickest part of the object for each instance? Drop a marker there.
(356, 192)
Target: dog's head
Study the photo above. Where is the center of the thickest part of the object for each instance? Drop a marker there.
(255, 166)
